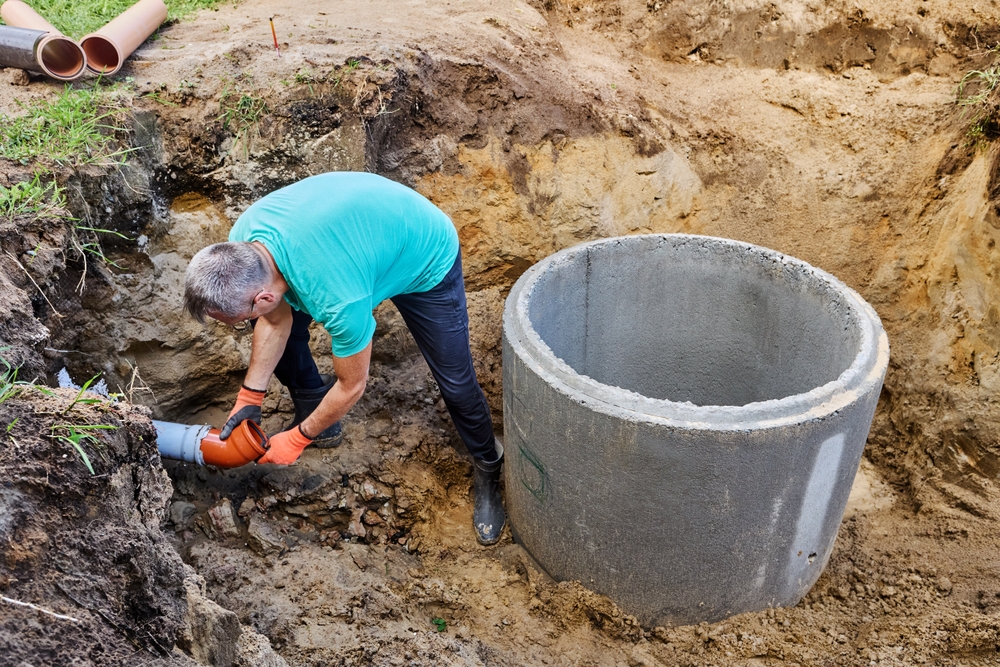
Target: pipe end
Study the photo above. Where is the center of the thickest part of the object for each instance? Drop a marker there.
(61, 58)
(246, 444)
(103, 55)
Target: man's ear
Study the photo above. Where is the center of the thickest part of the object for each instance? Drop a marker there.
(267, 296)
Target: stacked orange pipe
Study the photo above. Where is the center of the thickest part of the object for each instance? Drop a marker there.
(57, 55)
(108, 48)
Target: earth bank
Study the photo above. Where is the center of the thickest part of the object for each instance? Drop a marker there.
(824, 130)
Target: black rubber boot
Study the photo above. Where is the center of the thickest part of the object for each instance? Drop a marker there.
(305, 401)
(488, 517)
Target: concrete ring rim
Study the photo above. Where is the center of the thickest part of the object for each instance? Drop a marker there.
(866, 370)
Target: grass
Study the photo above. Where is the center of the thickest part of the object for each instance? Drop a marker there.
(78, 127)
(76, 435)
(77, 18)
(155, 96)
(46, 200)
(241, 110)
(35, 197)
(978, 93)
(306, 77)
(10, 386)
(79, 400)
(84, 125)
(351, 65)
(87, 243)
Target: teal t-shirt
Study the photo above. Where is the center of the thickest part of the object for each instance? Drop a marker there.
(346, 241)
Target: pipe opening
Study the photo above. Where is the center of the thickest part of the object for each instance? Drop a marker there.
(102, 55)
(61, 57)
(689, 321)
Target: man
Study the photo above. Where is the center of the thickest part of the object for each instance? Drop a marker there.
(331, 248)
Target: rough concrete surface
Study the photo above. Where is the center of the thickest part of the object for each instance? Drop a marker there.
(717, 393)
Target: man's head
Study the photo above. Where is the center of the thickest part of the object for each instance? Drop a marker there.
(224, 280)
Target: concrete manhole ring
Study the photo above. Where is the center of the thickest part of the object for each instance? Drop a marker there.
(684, 416)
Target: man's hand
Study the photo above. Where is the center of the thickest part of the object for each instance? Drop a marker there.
(286, 447)
(248, 403)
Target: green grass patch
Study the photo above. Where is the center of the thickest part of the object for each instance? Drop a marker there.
(978, 93)
(241, 110)
(34, 197)
(78, 127)
(77, 18)
(10, 386)
(91, 245)
(76, 435)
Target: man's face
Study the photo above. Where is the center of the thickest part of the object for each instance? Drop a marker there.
(263, 302)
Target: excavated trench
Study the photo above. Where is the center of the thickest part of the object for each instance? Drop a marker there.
(761, 126)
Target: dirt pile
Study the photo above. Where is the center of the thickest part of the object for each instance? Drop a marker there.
(82, 503)
(85, 545)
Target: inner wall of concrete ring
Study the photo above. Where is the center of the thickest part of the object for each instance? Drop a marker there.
(684, 417)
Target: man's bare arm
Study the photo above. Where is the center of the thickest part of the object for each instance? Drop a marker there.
(352, 377)
(269, 337)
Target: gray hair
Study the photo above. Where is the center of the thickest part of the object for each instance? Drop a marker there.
(222, 278)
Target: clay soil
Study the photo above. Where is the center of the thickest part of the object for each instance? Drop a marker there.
(826, 130)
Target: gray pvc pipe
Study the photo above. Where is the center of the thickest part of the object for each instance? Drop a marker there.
(181, 442)
(19, 47)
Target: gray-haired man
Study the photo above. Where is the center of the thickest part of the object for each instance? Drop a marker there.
(332, 247)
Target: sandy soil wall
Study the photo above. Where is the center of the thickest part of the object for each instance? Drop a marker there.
(824, 130)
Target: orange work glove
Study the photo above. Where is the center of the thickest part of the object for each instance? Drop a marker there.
(286, 447)
(248, 403)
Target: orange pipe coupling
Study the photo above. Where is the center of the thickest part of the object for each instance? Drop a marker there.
(201, 444)
(108, 48)
(57, 55)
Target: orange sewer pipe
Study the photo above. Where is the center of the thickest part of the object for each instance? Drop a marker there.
(201, 444)
(108, 48)
(58, 56)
